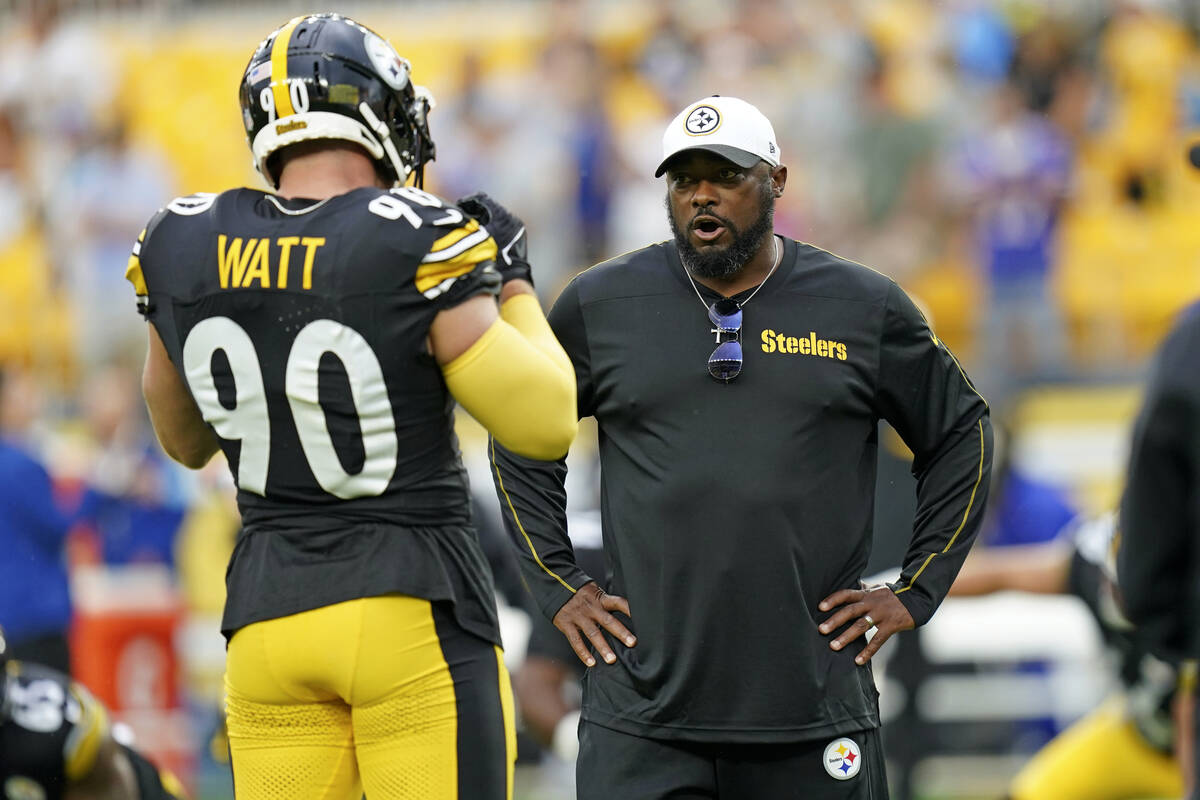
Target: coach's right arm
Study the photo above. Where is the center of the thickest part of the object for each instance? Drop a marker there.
(533, 503)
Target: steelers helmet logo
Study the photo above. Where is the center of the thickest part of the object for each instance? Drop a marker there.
(390, 66)
(702, 120)
(843, 759)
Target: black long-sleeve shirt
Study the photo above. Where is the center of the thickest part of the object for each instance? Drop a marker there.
(1159, 558)
(731, 510)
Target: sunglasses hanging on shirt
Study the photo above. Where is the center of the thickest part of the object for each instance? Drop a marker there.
(725, 363)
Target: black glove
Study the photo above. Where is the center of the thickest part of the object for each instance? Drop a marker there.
(509, 232)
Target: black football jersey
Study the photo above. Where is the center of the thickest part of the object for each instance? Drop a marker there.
(730, 510)
(50, 731)
(1148, 681)
(301, 328)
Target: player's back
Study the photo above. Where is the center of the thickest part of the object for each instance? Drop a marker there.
(301, 328)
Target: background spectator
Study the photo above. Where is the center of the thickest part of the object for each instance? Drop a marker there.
(35, 603)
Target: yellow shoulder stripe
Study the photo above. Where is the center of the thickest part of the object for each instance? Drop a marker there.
(133, 269)
(458, 260)
(454, 237)
(83, 743)
(961, 525)
(459, 245)
(133, 274)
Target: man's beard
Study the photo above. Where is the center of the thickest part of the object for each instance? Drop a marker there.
(724, 262)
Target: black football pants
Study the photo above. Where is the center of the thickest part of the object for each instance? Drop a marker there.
(619, 765)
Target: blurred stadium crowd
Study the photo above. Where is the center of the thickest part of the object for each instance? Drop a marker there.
(1017, 165)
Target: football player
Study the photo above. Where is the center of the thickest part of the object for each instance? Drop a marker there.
(1123, 750)
(56, 742)
(319, 335)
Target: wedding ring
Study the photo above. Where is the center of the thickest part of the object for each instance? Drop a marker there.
(870, 622)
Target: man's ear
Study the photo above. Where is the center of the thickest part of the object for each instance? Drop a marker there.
(778, 180)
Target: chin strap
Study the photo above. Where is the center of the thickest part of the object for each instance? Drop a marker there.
(424, 150)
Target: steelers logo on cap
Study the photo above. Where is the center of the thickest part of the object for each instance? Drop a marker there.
(843, 759)
(702, 120)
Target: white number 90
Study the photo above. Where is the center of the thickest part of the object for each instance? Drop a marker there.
(249, 421)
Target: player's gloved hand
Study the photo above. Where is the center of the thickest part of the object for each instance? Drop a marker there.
(509, 232)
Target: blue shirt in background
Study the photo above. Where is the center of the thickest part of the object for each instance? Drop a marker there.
(34, 596)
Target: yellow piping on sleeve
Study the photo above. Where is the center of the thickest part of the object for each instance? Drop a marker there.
(961, 525)
(521, 528)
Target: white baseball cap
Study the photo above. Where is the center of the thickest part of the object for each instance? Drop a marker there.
(727, 126)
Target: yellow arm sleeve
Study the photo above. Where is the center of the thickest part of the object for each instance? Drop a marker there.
(524, 313)
(517, 381)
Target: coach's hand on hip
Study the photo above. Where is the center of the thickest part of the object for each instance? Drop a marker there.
(865, 609)
(582, 617)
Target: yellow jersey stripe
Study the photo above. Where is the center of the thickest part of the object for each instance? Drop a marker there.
(133, 274)
(429, 277)
(428, 280)
(966, 514)
(521, 528)
(83, 744)
(459, 261)
(460, 245)
(133, 268)
(454, 236)
(279, 61)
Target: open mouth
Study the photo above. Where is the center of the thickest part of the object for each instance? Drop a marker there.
(707, 229)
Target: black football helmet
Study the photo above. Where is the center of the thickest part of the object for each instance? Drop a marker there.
(325, 76)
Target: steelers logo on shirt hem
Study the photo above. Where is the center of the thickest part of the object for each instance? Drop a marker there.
(842, 759)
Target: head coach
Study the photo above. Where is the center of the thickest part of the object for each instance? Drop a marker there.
(737, 378)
